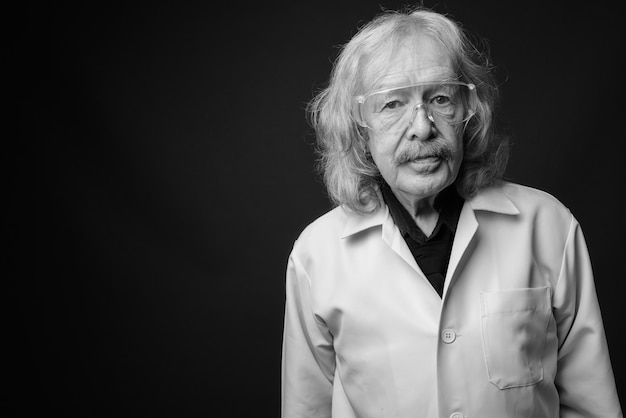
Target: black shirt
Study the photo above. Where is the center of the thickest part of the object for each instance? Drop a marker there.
(431, 253)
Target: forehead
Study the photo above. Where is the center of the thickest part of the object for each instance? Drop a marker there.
(416, 59)
(412, 77)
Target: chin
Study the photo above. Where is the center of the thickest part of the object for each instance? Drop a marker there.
(425, 185)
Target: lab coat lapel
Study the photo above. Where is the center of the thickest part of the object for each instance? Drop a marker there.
(391, 236)
(466, 228)
(489, 200)
(390, 233)
(465, 231)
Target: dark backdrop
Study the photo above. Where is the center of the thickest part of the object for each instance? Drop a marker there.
(169, 168)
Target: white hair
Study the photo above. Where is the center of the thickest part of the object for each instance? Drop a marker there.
(350, 175)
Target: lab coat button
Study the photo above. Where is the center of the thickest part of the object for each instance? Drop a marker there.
(448, 336)
(456, 415)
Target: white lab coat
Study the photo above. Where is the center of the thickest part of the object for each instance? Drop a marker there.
(518, 332)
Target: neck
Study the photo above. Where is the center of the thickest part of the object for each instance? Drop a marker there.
(422, 211)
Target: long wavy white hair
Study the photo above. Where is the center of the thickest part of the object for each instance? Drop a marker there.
(351, 177)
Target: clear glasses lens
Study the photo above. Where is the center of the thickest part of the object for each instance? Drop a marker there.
(395, 109)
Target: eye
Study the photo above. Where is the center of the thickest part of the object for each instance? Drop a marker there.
(392, 104)
(441, 100)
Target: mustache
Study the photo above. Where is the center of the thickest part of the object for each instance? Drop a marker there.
(438, 149)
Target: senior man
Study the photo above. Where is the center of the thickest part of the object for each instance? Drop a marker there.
(434, 288)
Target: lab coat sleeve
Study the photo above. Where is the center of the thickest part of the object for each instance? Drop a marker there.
(308, 358)
(584, 375)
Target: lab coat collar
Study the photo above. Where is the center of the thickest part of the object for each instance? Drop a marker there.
(492, 200)
(357, 223)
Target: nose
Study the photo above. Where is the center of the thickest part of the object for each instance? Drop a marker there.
(421, 124)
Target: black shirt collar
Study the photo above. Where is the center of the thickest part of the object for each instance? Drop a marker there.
(448, 203)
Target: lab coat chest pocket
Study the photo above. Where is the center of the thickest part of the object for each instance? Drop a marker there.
(514, 327)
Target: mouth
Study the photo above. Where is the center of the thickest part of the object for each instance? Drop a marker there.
(425, 164)
(425, 159)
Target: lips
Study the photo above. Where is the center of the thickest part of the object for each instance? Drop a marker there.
(425, 165)
(426, 159)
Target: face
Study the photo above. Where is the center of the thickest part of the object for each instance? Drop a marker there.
(424, 158)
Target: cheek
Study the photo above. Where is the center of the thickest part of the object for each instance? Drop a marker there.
(383, 144)
(458, 149)
(382, 161)
(455, 142)
(383, 151)
(457, 159)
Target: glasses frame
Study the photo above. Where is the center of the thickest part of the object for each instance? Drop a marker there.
(360, 99)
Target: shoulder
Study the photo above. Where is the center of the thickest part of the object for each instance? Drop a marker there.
(335, 230)
(530, 206)
(323, 230)
(332, 222)
(321, 239)
(530, 196)
(514, 198)
(536, 203)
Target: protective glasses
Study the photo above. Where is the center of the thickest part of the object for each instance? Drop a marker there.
(447, 103)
